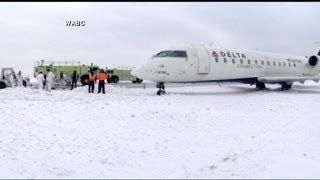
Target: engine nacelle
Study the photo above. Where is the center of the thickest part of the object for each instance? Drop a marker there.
(313, 61)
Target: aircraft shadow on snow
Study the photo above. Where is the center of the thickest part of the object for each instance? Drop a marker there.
(230, 89)
(240, 90)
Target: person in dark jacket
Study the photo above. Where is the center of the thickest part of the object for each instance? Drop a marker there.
(74, 78)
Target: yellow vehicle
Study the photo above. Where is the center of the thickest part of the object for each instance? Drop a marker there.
(122, 74)
(67, 67)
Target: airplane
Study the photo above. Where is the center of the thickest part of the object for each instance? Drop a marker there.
(199, 63)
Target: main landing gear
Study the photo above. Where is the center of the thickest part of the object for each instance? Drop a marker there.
(285, 86)
(260, 85)
(161, 87)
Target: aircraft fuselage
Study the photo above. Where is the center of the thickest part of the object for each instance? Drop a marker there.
(210, 64)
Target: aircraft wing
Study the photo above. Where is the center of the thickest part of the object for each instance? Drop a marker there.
(287, 79)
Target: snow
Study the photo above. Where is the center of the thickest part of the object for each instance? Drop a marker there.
(193, 131)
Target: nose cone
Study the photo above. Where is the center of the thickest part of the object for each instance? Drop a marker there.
(137, 72)
(144, 72)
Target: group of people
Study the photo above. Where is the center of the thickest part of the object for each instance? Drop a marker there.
(46, 81)
(100, 77)
(63, 79)
(16, 79)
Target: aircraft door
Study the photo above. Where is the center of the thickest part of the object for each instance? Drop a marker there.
(203, 59)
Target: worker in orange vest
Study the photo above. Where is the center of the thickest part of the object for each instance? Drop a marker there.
(92, 80)
(102, 76)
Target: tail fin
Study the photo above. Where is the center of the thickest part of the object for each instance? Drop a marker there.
(319, 50)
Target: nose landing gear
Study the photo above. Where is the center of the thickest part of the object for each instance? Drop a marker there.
(161, 87)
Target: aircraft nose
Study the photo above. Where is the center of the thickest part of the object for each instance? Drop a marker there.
(142, 72)
(137, 72)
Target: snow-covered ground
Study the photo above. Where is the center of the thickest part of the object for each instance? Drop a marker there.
(210, 131)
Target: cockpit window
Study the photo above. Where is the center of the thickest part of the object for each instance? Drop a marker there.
(178, 54)
(182, 54)
(163, 54)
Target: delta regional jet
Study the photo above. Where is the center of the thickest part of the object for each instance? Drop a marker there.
(193, 64)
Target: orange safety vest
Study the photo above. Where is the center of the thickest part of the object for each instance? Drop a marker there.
(92, 77)
(102, 76)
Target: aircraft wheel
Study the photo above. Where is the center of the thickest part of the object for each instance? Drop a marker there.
(285, 86)
(160, 85)
(2, 85)
(260, 85)
(161, 91)
(288, 86)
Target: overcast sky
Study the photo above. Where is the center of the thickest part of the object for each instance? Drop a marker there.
(127, 34)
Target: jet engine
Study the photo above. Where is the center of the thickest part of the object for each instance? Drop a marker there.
(313, 61)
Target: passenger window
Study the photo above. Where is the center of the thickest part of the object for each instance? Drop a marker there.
(241, 61)
(217, 60)
(279, 63)
(294, 64)
(274, 63)
(262, 62)
(225, 60)
(268, 63)
(284, 63)
(181, 54)
(256, 61)
(249, 61)
(289, 64)
(233, 61)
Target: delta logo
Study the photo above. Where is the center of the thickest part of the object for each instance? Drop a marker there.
(214, 54)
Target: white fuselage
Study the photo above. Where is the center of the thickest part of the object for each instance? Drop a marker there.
(205, 64)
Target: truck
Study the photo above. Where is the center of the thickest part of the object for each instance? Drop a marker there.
(114, 75)
(7, 77)
(67, 67)
(122, 74)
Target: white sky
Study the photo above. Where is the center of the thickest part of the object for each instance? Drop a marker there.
(127, 34)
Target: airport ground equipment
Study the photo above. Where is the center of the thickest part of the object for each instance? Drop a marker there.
(114, 74)
(67, 67)
(122, 74)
